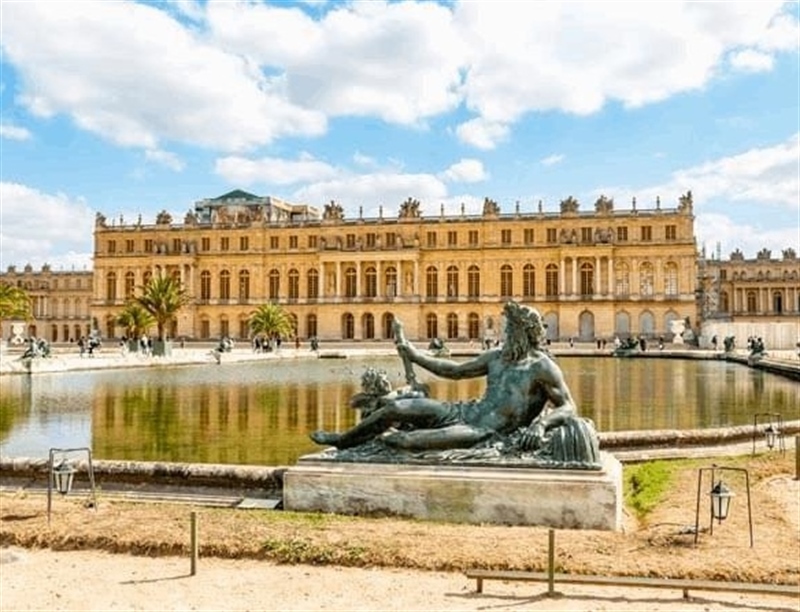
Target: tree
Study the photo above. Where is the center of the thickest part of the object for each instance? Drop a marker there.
(270, 320)
(15, 303)
(135, 319)
(163, 297)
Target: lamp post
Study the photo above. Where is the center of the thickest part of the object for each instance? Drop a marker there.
(772, 433)
(62, 476)
(721, 496)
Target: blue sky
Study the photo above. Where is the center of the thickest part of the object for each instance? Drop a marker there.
(129, 108)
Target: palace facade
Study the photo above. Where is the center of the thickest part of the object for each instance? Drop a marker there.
(592, 274)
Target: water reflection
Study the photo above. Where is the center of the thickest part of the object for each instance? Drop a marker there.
(261, 413)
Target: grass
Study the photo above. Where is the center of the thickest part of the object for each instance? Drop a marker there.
(646, 485)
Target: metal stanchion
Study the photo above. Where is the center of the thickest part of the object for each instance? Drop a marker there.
(194, 544)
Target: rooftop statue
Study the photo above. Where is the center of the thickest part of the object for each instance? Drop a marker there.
(526, 417)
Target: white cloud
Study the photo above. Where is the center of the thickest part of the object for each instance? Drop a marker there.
(165, 158)
(273, 170)
(751, 60)
(481, 133)
(466, 171)
(713, 229)
(63, 241)
(136, 77)
(14, 132)
(552, 160)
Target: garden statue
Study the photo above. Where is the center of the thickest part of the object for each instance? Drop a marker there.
(526, 417)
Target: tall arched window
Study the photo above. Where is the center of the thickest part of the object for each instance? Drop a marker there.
(431, 282)
(244, 286)
(371, 281)
(671, 279)
(724, 302)
(622, 279)
(111, 286)
(147, 277)
(473, 282)
(587, 279)
(452, 326)
(368, 326)
(432, 325)
(348, 326)
(646, 279)
(311, 325)
(294, 284)
(205, 285)
(452, 281)
(390, 282)
(752, 302)
(473, 326)
(506, 281)
(312, 284)
(551, 280)
(528, 281)
(274, 284)
(387, 325)
(350, 282)
(225, 285)
(130, 284)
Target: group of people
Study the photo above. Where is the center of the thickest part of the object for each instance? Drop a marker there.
(88, 345)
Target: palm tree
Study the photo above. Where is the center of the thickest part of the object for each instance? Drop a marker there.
(136, 321)
(162, 297)
(15, 303)
(271, 320)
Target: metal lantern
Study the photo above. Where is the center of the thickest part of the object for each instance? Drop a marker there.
(771, 433)
(721, 497)
(62, 477)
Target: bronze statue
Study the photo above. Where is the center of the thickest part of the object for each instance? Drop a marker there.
(526, 411)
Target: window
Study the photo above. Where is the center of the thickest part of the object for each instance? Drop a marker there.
(274, 284)
(312, 242)
(274, 242)
(452, 326)
(723, 275)
(473, 282)
(294, 284)
(646, 277)
(551, 280)
(528, 281)
(391, 240)
(671, 279)
(348, 326)
(622, 280)
(368, 326)
(371, 277)
(473, 326)
(244, 285)
(431, 282)
(552, 235)
(224, 327)
(431, 239)
(312, 284)
(147, 277)
(586, 234)
(622, 234)
(350, 241)
(311, 325)
(205, 285)
(452, 238)
(671, 232)
(587, 279)
(506, 281)
(205, 244)
(225, 285)
(148, 245)
(646, 233)
(473, 238)
(176, 245)
(505, 236)
(130, 284)
(350, 282)
(224, 243)
(112, 246)
(527, 235)
(390, 277)
(371, 240)
(292, 242)
(244, 243)
(205, 329)
(111, 286)
(129, 246)
(432, 325)
(452, 281)
(752, 302)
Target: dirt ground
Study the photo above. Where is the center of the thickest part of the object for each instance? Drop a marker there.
(257, 559)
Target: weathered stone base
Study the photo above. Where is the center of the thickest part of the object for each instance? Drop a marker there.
(564, 499)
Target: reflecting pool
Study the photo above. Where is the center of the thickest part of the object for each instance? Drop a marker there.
(260, 412)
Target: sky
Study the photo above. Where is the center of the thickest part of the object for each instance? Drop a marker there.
(131, 108)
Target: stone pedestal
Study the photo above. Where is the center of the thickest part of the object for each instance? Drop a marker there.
(563, 499)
